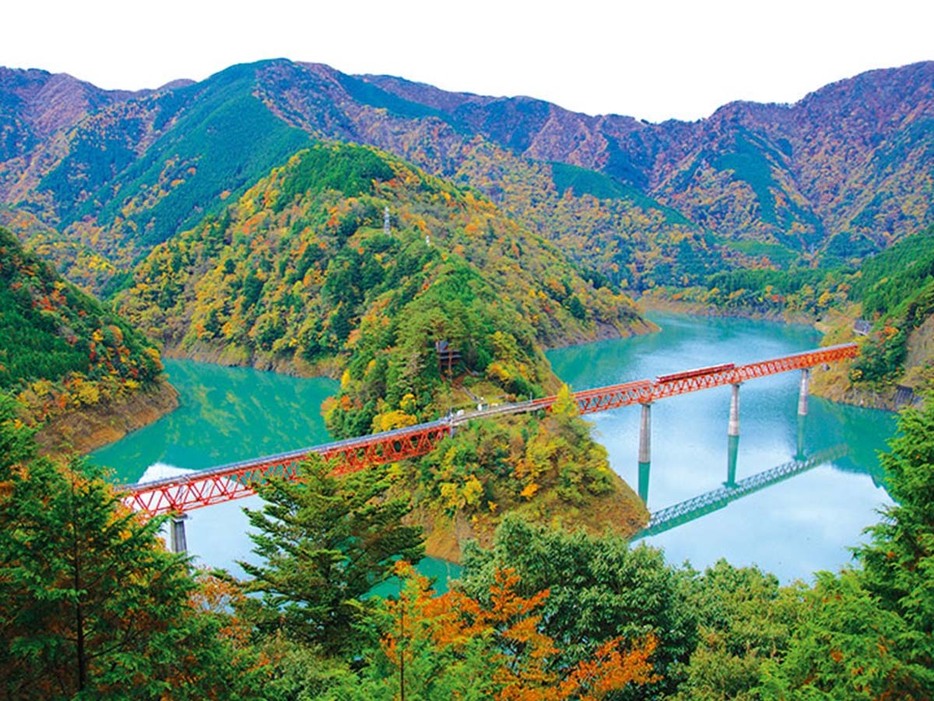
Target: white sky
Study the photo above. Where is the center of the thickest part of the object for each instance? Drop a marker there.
(651, 59)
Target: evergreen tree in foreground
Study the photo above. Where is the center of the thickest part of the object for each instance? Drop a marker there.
(93, 606)
(326, 541)
(599, 589)
(869, 633)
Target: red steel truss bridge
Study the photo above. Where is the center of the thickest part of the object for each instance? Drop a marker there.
(183, 493)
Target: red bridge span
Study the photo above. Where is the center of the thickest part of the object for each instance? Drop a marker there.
(183, 493)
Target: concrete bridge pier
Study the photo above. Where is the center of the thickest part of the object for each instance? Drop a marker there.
(645, 450)
(732, 433)
(803, 392)
(177, 540)
(733, 428)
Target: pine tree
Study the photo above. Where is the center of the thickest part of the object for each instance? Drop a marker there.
(326, 541)
(94, 607)
(898, 563)
(869, 633)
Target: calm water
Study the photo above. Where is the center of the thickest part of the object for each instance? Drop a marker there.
(792, 528)
(225, 415)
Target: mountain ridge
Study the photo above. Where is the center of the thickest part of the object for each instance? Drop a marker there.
(849, 160)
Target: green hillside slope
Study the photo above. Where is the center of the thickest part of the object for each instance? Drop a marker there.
(425, 299)
(838, 176)
(302, 271)
(61, 351)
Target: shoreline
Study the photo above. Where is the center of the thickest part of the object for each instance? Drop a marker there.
(830, 384)
(82, 431)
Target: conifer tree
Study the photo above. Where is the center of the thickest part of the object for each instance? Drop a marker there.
(600, 589)
(869, 633)
(325, 542)
(93, 606)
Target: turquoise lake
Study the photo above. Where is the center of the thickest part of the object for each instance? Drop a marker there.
(794, 527)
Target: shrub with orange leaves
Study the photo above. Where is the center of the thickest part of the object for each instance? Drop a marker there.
(460, 644)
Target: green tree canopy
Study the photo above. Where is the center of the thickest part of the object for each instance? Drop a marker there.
(867, 633)
(599, 589)
(93, 606)
(325, 541)
(898, 563)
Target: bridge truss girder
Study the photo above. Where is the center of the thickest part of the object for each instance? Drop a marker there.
(206, 487)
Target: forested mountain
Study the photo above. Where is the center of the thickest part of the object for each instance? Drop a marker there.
(347, 251)
(840, 174)
(426, 299)
(60, 349)
(894, 295)
(292, 217)
(843, 160)
(128, 175)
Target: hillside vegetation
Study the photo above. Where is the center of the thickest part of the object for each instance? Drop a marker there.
(847, 161)
(891, 293)
(61, 351)
(424, 298)
(542, 614)
(113, 174)
(894, 292)
(303, 271)
(135, 168)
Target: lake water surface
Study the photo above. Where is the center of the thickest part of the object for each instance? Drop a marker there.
(792, 528)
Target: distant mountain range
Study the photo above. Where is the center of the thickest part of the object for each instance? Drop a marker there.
(93, 179)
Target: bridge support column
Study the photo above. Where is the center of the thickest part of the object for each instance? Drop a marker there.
(177, 541)
(733, 428)
(645, 434)
(803, 392)
(645, 450)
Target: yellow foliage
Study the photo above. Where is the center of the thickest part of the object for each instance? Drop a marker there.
(472, 491)
(564, 403)
(450, 497)
(86, 393)
(393, 419)
(407, 403)
(498, 372)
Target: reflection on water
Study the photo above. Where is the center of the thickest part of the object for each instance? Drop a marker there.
(792, 527)
(700, 505)
(226, 415)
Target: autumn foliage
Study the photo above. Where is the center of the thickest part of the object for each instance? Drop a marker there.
(60, 349)
(519, 660)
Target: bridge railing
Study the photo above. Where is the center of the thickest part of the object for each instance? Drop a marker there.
(184, 492)
(234, 480)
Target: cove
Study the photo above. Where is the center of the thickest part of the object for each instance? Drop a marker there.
(792, 528)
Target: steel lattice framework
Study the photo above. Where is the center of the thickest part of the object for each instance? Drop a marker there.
(647, 391)
(205, 487)
(183, 493)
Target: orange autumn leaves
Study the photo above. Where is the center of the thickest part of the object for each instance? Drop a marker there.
(498, 645)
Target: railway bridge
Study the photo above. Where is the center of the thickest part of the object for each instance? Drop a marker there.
(180, 494)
